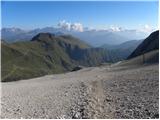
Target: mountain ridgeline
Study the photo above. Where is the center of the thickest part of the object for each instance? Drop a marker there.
(93, 37)
(123, 50)
(146, 53)
(151, 43)
(48, 54)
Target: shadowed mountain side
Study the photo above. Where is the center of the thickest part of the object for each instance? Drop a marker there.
(149, 44)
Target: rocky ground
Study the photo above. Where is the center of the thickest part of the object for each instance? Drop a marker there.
(95, 92)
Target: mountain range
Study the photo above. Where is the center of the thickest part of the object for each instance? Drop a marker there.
(123, 49)
(95, 38)
(47, 53)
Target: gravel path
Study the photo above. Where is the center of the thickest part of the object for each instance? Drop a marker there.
(95, 92)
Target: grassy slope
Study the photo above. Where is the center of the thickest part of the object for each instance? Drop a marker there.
(26, 64)
(22, 60)
(48, 54)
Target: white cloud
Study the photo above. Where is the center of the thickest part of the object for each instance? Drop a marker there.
(145, 28)
(71, 26)
(77, 27)
(64, 25)
(115, 28)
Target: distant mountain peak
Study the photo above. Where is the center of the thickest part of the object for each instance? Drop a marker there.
(93, 37)
(13, 30)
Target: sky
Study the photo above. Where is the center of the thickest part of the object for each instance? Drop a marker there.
(98, 15)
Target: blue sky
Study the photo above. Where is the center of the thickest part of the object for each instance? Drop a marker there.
(130, 15)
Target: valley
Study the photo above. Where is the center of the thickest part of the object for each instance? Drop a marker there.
(79, 81)
(62, 77)
(79, 59)
(46, 54)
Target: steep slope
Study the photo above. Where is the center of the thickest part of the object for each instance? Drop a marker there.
(48, 54)
(24, 63)
(149, 44)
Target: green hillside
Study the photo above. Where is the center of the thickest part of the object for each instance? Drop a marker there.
(48, 54)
